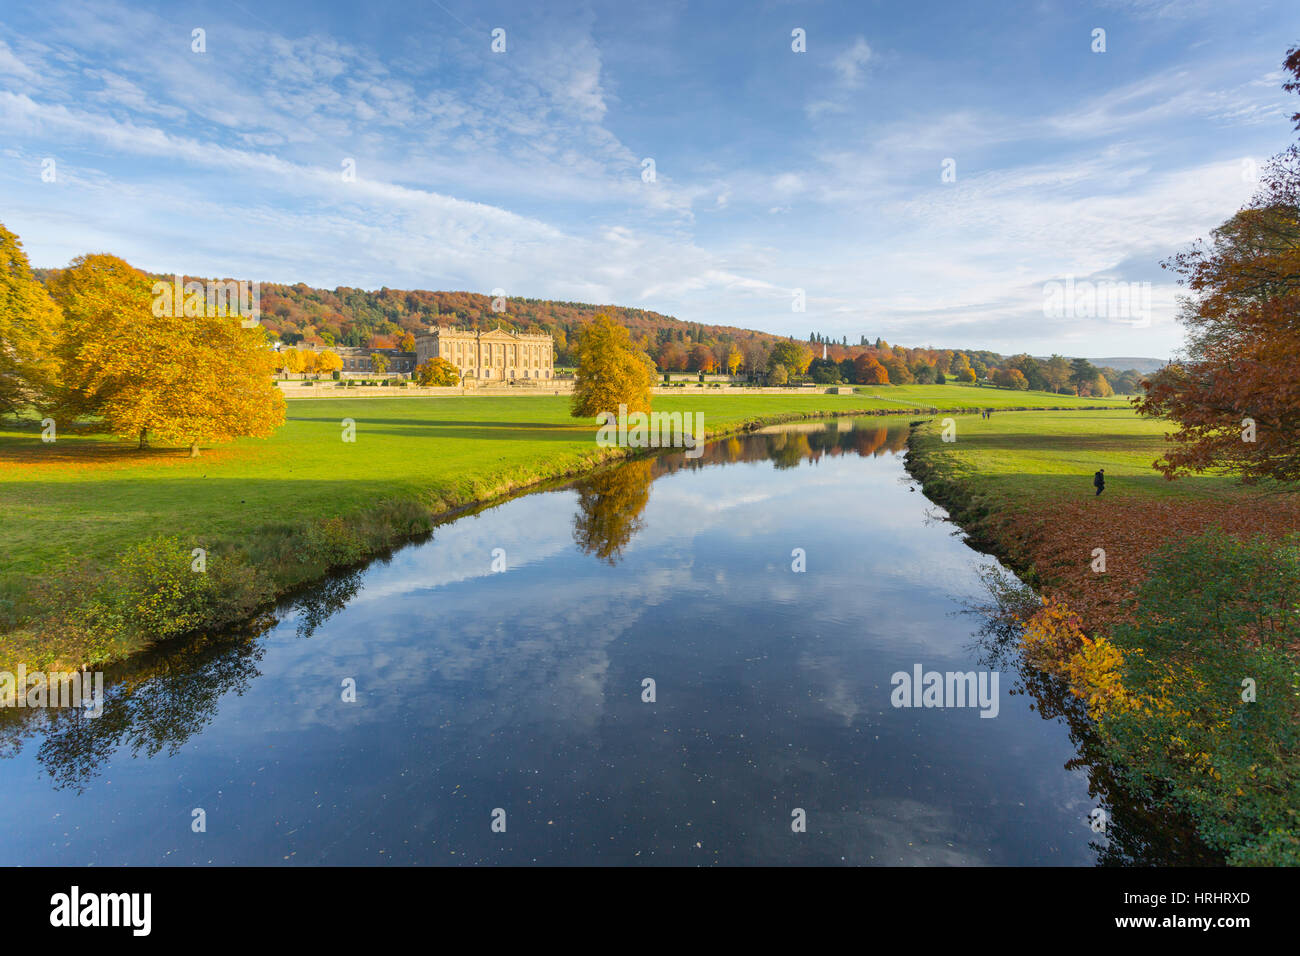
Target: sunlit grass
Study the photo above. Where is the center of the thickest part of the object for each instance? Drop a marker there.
(79, 502)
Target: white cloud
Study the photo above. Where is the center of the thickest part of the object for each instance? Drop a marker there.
(850, 66)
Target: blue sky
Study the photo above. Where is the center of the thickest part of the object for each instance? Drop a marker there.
(774, 170)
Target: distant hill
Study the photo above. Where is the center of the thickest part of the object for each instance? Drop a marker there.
(346, 316)
(1144, 365)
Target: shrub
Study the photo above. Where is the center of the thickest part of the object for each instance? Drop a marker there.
(152, 590)
(1215, 617)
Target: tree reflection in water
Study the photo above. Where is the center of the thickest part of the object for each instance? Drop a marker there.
(609, 508)
(321, 601)
(611, 501)
(158, 700)
(153, 704)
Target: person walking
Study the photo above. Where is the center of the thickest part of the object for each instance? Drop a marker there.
(1099, 480)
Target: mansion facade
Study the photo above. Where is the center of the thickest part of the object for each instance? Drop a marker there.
(497, 355)
(357, 361)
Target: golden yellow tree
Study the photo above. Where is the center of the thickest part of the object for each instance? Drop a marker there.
(218, 388)
(734, 360)
(436, 371)
(611, 371)
(110, 340)
(184, 379)
(328, 361)
(291, 361)
(378, 362)
(29, 326)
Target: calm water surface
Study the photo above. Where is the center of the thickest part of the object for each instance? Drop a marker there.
(522, 690)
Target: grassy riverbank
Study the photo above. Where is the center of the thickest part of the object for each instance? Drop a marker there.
(1020, 484)
(1185, 643)
(84, 515)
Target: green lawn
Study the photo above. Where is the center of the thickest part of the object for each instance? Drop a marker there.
(1027, 455)
(1020, 485)
(73, 507)
(86, 496)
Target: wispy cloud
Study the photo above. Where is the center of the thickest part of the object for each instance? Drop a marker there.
(524, 170)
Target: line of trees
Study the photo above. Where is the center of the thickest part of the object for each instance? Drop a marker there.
(388, 318)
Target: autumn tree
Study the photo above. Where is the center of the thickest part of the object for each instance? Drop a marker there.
(379, 363)
(1011, 378)
(1235, 398)
(145, 371)
(291, 361)
(1056, 372)
(1031, 369)
(756, 352)
(899, 373)
(735, 359)
(110, 339)
(922, 372)
(795, 356)
(611, 371)
(29, 328)
(672, 357)
(218, 388)
(328, 361)
(703, 360)
(407, 344)
(867, 370)
(436, 371)
(1082, 375)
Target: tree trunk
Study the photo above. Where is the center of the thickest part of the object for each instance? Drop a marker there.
(194, 450)
(144, 441)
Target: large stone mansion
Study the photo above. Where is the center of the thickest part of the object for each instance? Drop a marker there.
(498, 355)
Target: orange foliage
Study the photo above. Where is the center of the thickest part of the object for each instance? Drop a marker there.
(1056, 537)
(1054, 642)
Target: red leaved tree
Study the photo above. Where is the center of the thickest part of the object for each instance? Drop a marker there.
(1236, 397)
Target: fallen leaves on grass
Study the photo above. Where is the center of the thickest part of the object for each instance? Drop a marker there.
(1057, 538)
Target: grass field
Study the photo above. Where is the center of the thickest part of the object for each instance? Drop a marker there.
(85, 495)
(1020, 483)
(74, 506)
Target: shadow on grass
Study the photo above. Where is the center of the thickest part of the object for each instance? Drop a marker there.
(494, 431)
(85, 451)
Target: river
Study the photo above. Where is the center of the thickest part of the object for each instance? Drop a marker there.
(482, 696)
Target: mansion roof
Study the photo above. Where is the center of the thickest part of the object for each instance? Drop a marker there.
(495, 335)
